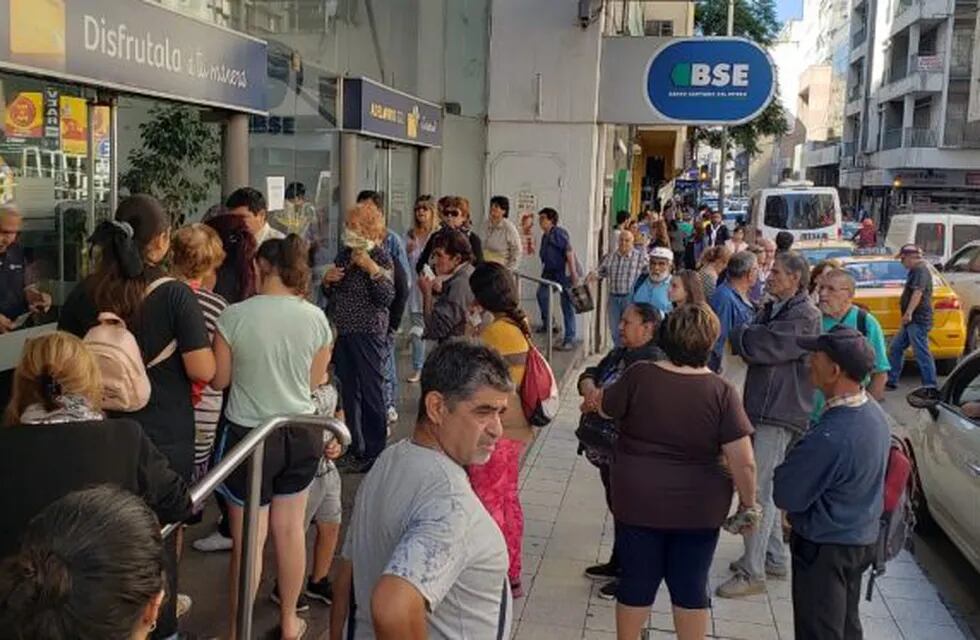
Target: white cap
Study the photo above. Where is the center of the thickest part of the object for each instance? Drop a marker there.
(661, 253)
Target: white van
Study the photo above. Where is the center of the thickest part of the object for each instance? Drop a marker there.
(939, 235)
(806, 211)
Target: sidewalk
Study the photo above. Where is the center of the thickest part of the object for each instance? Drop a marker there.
(568, 528)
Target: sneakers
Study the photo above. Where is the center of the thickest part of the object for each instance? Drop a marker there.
(321, 590)
(891, 386)
(568, 345)
(602, 571)
(184, 604)
(392, 415)
(212, 543)
(353, 464)
(608, 590)
(302, 603)
(777, 571)
(415, 377)
(739, 586)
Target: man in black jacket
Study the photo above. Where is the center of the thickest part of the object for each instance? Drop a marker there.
(778, 398)
(717, 232)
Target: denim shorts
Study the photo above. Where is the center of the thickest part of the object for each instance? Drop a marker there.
(681, 557)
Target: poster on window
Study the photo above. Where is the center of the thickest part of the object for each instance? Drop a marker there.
(74, 125)
(23, 118)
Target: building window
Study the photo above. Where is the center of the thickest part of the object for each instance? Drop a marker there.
(662, 28)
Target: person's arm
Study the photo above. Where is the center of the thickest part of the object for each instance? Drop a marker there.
(614, 401)
(740, 460)
(914, 301)
(160, 487)
(513, 246)
(222, 357)
(806, 473)
(877, 385)
(190, 332)
(398, 610)
(762, 344)
(381, 281)
(340, 607)
(442, 318)
(426, 253)
(318, 370)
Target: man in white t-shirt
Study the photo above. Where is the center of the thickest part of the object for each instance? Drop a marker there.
(250, 204)
(426, 559)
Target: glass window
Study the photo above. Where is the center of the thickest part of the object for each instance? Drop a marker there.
(882, 273)
(800, 211)
(966, 260)
(931, 238)
(964, 234)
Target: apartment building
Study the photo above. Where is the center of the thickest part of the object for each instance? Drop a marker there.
(907, 138)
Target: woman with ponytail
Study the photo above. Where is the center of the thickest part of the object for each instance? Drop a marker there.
(272, 351)
(164, 317)
(56, 440)
(496, 481)
(91, 567)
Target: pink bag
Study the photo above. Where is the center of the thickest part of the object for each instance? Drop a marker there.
(125, 384)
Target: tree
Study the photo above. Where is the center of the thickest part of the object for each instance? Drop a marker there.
(178, 162)
(755, 20)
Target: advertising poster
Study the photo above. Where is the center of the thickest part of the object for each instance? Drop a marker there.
(100, 130)
(23, 117)
(74, 125)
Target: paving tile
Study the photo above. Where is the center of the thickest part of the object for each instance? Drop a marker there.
(882, 629)
(599, 635)
(923, 611)
(539, 512)
(926, 631)
(745, 630)
(908, 589)
(742, 611)
(601, 618)
(547, 499)
(555, 612)
(546, 486)
(662, 621)
(537, 528)
(542, 631)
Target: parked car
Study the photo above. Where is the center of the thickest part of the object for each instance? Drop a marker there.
(816, 250)
(939, 235)
(945, 446)
(962, 272)
(880, 280)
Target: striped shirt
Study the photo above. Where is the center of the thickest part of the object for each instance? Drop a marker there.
(623, 271)
(207, 411)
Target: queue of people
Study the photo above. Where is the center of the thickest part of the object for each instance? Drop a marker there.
(434, 546)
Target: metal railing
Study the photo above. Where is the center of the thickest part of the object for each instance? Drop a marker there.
(891, 139)
(553, 288)
(252, 449)
(919, 137)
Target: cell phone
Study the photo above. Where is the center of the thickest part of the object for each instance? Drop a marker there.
(427, 272)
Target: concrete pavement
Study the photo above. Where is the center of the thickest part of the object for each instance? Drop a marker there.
(568, 528)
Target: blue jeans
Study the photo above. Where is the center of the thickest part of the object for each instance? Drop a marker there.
(617, 305)
(418, 344)
(567, 310)
(765, 546)
(917, 335)
(391, 374)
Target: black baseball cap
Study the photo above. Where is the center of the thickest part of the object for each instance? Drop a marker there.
(847, 347)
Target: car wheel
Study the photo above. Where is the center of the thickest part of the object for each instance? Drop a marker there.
(973, 334)
(945, 367)
(924, 522)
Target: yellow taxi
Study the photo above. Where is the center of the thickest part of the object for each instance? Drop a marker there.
(817, 250)
(880, 280)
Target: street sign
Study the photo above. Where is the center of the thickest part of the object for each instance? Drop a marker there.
(693, 81)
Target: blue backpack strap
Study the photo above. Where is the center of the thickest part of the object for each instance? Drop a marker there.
(862, 322)
(639, 282)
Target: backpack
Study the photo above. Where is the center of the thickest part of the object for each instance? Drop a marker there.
(539, 391)
(862, 322)
(897, 518)
(125, 384)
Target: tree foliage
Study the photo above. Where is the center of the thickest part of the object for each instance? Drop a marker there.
(178, 162)
(755, 20)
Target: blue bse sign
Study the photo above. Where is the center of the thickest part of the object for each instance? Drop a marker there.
(722, 81)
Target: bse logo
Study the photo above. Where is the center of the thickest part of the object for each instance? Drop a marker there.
(723, 74)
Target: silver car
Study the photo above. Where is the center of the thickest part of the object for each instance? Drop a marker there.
(945, 444)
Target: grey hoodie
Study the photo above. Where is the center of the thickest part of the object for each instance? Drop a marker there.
(777, 386)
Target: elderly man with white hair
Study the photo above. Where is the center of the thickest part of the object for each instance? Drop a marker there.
(18, 295)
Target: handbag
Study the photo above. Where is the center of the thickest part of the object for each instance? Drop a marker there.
(597, 435)
(581, 297)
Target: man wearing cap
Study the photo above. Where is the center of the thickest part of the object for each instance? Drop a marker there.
(653, 288)
(831, 486)
(916, 307)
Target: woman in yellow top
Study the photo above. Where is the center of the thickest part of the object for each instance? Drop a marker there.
(496, 481)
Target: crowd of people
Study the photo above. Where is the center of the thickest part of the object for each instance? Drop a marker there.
(779, 411)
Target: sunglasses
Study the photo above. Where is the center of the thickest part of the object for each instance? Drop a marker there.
(452, 213)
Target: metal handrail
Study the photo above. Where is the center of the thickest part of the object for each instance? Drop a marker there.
(554, 287)
(252, 448)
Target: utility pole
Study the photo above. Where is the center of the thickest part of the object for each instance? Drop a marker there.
(724, 130)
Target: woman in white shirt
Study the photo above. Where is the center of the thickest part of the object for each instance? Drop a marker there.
(737, 242)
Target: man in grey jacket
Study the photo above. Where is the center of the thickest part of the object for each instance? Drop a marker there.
(778, 399)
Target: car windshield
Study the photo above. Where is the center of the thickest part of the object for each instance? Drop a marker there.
(804, 210)
(880, 273)
(815, 255)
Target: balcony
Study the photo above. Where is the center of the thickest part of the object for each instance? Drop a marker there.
(962, 135)
(892, 139)
(919, 138)
(821, 153)
(924, 74)
(908, 12)
(848, 150)
(859, 37)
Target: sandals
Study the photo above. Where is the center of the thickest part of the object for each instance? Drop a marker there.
(303, 626)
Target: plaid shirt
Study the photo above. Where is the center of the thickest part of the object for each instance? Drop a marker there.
(853, 400)
(623, 271)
